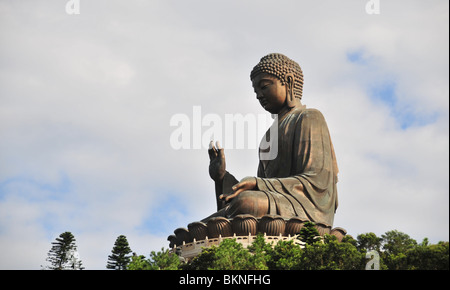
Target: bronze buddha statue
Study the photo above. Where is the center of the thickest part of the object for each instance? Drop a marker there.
(300, 181)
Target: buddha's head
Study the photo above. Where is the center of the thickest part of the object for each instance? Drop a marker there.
(278, 82)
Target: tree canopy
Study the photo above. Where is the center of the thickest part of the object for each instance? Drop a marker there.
(63, 255)
(395, 251)
(120, 256)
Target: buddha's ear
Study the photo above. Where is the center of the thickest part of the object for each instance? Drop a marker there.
(289, 82)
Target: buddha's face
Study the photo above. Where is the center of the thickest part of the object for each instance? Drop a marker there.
(270, 92)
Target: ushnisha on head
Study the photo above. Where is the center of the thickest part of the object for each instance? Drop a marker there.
(281, 66)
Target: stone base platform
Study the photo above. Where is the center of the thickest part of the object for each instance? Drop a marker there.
(190, 250)
(244, 228)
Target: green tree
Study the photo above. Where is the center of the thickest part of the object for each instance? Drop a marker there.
(397, 251)
(395, 246)
(204, 261)
(343, 255)
(286, 255)
(138, 263)
(395, 242)
(63, 255)
(229, 255)
(120, 256)
(161, 260)
(261, 253)
(309, 233)
(350, 240)
(331, 255)
(428, 257)
(368, 242)
(164, 260)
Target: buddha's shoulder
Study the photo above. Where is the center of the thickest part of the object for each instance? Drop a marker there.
(310, 113)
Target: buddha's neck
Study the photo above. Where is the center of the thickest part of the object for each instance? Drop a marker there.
(286, 109)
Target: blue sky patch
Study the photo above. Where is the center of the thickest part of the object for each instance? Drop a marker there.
(32, 189)
(384, 92)
(405, 115)
(165, 217)
(357, 56)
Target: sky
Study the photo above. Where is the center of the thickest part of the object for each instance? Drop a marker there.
(87, 98)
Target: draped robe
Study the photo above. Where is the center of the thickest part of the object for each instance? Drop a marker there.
(301, 180)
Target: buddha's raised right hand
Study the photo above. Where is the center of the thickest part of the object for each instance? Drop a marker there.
(217, 162)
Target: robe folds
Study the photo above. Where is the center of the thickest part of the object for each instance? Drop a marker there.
(301, 180)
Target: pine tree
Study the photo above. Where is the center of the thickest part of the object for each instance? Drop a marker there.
(63, 255)
(309, 233)
(120, 254)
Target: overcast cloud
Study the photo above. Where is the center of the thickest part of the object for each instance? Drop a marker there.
(86, 102)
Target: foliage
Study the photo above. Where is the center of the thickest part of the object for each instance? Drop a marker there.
(395, 242)
(396, 251)
(162, 260)
(309, 233)
(331, 255)
(403, 253)
(63, 254)
(261, 253)
(368, 241)
(429, 257)
(285, 255)
(229, 255)
(120, 254)
(139, 263)
(395, 246)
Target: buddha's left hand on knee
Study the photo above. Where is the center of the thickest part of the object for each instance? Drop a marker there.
(247, 183)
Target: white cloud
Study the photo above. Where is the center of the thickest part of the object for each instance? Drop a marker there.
(85, 104)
